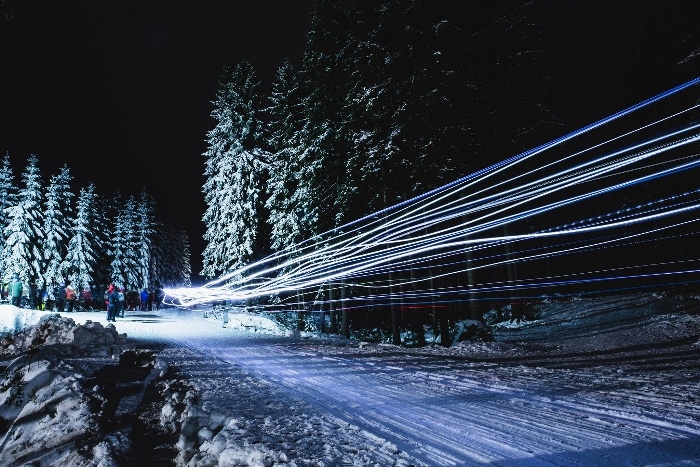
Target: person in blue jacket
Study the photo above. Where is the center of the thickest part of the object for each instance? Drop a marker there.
(16, 290)
(112, 303)
(144, 299)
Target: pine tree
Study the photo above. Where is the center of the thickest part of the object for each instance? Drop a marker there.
(58, 219)
(145, 209)
(84, 242)
(104, 225)
(324, 138)
(170, 257)
(234, 168)
(181, 268)
(439, 90)
(8, 197)
(288, 182)
(375, 166)
(22, 253)
(124, 266)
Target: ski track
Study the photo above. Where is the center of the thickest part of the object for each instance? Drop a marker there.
(453, 413)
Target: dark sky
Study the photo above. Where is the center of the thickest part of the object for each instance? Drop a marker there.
(129, 84)
(609, 55)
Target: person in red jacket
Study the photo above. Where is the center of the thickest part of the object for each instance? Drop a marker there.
(110, 302)
(71, 295)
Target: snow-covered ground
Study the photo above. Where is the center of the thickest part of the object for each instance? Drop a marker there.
(591, 382)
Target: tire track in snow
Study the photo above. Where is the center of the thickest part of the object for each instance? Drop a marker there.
(455, 415)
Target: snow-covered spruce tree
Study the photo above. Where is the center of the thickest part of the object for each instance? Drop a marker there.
(22, 253)
(58, 220)
(288, 185)
(180, 267)
(167, 247)
(105, 212)
(8, 197)
(219, 139)
(376, 167)
(170, 257)
(161, 253)
(324, 137)
(234, 170)
(84, 242)
(124, 247)
(440, 89)
(145, 211)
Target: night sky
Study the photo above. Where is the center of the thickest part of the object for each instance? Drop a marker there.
(122, 91)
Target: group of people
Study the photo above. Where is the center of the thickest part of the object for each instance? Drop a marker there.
(116, 301)
(150, 300)
(64, 297)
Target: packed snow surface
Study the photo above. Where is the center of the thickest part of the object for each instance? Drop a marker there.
(609, 381)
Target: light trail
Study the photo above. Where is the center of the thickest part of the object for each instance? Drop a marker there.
(562, 207)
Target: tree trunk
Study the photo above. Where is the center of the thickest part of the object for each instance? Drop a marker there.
(323, 312)
(300, 313)
(445, 328)
(333, 311)
(418, 316)
(345, 318)
(516, 304)
(433, 309)
(475, 310)
(395, 332)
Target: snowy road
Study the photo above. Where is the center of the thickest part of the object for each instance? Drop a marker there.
(447, 411)
(502, 404)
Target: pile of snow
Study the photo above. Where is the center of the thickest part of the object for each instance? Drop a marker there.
(13, 319)
(243, 321)
(45, 410)
(44, 413)
(52, 329)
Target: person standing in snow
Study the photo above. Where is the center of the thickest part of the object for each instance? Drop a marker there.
(112, 303)
(71, 295)
(16, 291)
(33, 295)
(159, 296)
(95, 297)
(144, 299)
(122, 302)
(150, 300)
(86, 298)
(44, 299)
(106, 296)
(5, 290)
(60, 295)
